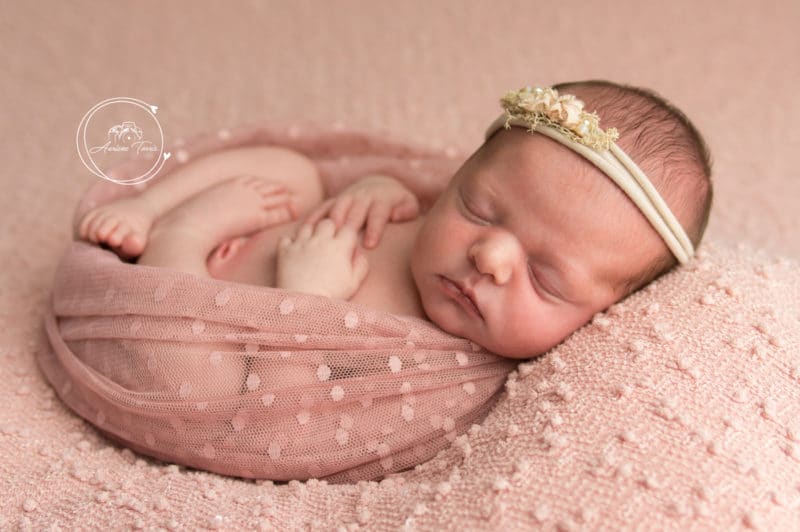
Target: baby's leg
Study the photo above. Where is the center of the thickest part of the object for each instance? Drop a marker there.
(124, 225)
(183, 238)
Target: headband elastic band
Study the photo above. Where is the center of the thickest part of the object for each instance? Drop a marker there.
(616, 164)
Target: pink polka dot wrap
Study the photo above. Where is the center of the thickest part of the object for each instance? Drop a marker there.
(254, 381)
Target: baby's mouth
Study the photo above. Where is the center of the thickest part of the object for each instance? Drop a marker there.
(462, 294)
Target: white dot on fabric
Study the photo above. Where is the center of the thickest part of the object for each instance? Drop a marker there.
(448, 424)
(109, 295)
(251, 348)
(461, 358)
(351, 320)
(185, 390)
(337, 392)
(323, 372)
(395, 364)
(181, 156)
(267, 399)
(274, 450)
(383, 449)
(201, 406)
(150, 439)
(469, 387)
(223, 134)
(405, 387)
(342, 436)
(436, 421)
(238, 422)
(222, 298)
(303, 416)
(300, 338)
(419, 357)
(215, 358)
(346, 422)
(407, 412)
(135, 326)
(286, 306)
(151, 362)
(387, 463)
(253, 381)
(209, 451)
(285, 354)
(198, 327)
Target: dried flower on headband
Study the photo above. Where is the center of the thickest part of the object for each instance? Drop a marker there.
(543, 106)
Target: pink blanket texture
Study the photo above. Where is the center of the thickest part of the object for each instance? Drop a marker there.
(674, 409)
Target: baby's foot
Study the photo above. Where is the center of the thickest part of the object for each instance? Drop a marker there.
(123, 225)
(236, 207)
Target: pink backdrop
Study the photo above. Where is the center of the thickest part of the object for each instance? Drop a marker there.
(429, 72)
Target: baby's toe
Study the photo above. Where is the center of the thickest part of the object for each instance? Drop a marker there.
(276, 216)
(108, 225)
(132, 245)
(83, 227)
(88, 229)
(116, 236)
(94, 227)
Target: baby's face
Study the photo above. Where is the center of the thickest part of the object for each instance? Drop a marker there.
(533, 231)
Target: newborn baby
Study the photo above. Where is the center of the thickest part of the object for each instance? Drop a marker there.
(527, 242)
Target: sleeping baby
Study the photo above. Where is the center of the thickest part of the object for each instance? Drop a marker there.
(545, 225)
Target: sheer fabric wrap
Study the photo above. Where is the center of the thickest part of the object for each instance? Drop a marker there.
(259, 382)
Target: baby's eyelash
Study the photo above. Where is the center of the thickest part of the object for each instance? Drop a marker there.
(535, 280)
(470, 212)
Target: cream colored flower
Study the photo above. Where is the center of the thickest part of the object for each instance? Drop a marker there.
(572, 108)
(566, 112)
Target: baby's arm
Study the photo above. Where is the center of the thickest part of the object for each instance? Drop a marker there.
(321, 261)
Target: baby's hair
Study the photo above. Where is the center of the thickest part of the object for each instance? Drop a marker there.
(666, 146)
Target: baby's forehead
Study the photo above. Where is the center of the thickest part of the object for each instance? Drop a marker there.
(529, 162)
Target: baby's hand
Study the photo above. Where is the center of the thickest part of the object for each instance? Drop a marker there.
(374, 199)
(321, 261)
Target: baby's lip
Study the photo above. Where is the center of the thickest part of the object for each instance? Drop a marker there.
(467, 291)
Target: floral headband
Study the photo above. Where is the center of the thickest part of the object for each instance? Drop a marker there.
(563, 119)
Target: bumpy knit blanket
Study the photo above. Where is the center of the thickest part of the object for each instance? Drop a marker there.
(674, 409)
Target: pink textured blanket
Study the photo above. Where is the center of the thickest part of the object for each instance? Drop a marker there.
(676, 409)
(254, 381)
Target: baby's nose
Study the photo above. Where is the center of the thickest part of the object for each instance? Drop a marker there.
(493, 259)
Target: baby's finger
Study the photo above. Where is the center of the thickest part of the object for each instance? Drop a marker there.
(408, 209)
(340, 209)
(358, 212)
(376, 222)
(319, 212)
(360, 267)
(284, 242)
(326, 227)
(304, 232)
